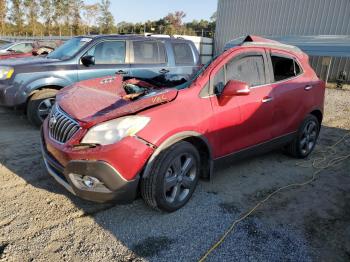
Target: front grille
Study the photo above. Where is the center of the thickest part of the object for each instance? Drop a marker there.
(61, 126)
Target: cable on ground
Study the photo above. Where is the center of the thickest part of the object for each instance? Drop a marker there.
(320, 163)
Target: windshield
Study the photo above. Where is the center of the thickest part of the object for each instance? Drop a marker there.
(69, 48)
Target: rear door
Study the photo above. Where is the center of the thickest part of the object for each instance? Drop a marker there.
(111, 57)
(148, 59)
(243, 121)
(289, 91)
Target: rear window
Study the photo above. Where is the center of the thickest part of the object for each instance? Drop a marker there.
(183, 54)
(149, 52)
(284, 67)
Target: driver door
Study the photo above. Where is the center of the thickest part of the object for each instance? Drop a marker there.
(110, 58)
(242, 121)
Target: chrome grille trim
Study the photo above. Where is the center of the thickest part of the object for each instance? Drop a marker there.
(61, 126)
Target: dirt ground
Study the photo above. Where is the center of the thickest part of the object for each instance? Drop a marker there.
(40, 221)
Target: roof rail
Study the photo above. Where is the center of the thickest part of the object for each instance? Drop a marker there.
(273, 45)
(159, 35)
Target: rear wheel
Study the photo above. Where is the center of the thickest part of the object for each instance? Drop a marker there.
(173, 178)
(306, 138)
(39, 105)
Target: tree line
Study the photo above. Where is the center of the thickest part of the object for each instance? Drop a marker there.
(74, 17)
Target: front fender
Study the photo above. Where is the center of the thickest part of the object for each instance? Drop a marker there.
(173, 140)
(24, 88)
(30, 87)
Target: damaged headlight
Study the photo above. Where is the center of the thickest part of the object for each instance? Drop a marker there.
(6, 72)
(113, 131)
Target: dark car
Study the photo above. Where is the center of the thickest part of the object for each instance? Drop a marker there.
(130, 135)
(34, 82)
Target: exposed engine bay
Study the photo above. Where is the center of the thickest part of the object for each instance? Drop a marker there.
(136, 87)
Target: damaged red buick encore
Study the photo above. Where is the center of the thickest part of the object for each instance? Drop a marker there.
(109, 139)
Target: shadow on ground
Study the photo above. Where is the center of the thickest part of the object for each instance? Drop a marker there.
(305, 224)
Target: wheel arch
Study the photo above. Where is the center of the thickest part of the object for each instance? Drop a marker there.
(197, 140)
(318, 114)
(38, 89)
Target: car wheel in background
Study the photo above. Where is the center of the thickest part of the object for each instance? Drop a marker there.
(306, 138)
(39, 105)
(173, 178)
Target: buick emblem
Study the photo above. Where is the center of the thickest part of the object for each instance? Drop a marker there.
(52, 121)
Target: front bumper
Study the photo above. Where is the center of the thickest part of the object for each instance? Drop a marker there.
(9, 96)
(116, 168)
(120, 190)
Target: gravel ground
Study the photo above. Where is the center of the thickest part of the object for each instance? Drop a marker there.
(40, 221)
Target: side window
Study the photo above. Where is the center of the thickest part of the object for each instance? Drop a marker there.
(219, 81)
(149, 52)
(20, 48)
(249, 69)
(109, 52)
(28, 48)
(183, 54)
(284, 67)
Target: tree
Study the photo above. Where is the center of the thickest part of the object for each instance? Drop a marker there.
(106, 19)
(175, 19)
(47, 14)
(76, 7)
(17, 15)
(61, 15)
(3, 14)
(32, 14)
(90, 14)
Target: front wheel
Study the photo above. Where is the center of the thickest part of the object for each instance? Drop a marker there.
(39, 105)
(173, 178)
(306, 138)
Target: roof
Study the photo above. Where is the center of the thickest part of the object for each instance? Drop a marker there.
(320, 45)
(136, 37)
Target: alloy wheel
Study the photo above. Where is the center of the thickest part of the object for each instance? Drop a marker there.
(44, 107)
(308, 138)
(180, 178)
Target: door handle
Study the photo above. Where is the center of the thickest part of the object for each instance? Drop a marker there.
(164, 71)
(308, 87)
(121, 72)
(267, 99)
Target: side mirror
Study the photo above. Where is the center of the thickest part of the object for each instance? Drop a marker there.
(88, 60)
(235, 88)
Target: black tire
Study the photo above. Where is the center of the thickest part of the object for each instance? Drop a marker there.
(164, 172)
(306, 138)
(38, 103)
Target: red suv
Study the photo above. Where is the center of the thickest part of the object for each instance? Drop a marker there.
(111, 138)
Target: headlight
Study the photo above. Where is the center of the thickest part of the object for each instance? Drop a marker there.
(6, 72)
(114, 130)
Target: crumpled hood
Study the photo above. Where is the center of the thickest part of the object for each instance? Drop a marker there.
(98, 100)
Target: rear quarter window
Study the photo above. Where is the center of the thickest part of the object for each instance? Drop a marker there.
(284, 67)
(183, 54)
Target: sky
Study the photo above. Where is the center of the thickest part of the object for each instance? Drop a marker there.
(143, 10)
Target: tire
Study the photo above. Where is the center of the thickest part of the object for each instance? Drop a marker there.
(173, 178)
(39, 105)
(306, 138)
